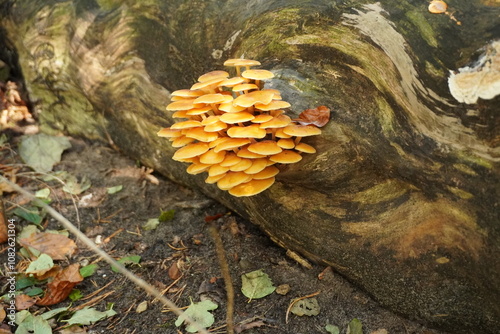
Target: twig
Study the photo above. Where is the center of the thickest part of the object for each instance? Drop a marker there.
(73, 229)
(296, 300)
(226, 274)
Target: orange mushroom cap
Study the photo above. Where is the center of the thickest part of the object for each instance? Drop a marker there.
(301, 130)
(186, 124)
(169, 133)
(211, 157)
(231, 143)
(186, 93)
(182, 141)
(286, 157)
(183, 105)
(211, 98)
(237, 117)
(303, 147)
(248, 100)
(279, 121)
(257, 74)
(232, 179)
(273, 105)
(251, 131)
(257, 166)
(265, 147)
(252, 187)
(241, 62)
(241, 166)
(213, 75)
(267, 172)
(190, 151)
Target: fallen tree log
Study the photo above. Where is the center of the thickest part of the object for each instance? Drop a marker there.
(402, 196)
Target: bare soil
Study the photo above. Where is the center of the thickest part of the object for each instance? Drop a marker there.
(185, 240)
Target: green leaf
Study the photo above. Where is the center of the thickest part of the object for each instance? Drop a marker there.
(54, 312)
(256, 284)
(34, 291)
(166, 215)
(43, 193)
(198, 312)
(308, 306)
(88, 270)
(355, 327)
(41, 152)
(332, 329)
(114, 190)
(41, 265)
(75, 294)
(28, 323)
(88, 316)
(151, 224)
(24, 282)
(31, 215)
(133, 259)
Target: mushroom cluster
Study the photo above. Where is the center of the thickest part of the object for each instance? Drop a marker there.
(235, 130)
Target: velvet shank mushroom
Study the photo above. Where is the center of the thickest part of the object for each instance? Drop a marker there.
(236, 131)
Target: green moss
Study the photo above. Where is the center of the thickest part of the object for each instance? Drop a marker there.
(418, 19)
(382, 192)
(464, 168)
(469, 157)
(386, 115)
(460, 193)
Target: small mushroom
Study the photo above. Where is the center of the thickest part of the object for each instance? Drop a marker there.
(248, 100)
(257, 166)
(237, 117)
(438, 7)
(190, 151)
(232, 179)
(286, 157)
(303, 147)
(241, 166)
(251, 131)
(213, 75)
(252, 187)
(211, 157)
(265, 147)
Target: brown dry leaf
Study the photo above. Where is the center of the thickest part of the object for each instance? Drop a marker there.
(5, 330)
(57, 246)
(59, 289)
(24, 302)
(174, 272)
(318, 116)
(2, 313)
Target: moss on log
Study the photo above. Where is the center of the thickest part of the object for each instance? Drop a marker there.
(402, 196)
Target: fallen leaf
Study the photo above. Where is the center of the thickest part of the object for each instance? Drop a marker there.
(41, 151)
(318, 116)
(72, 186)
(88, 316)
(88, 270)
(28, 323)
(59, 289)
(57, 246)
(198, 312)
(332, 329)
(52, 313)
(41, 265)
(283, 289)
(24, 302)
(355, 327)
(43, 193)
(380, 331)
(115, 189)
(30, 214)
(307, 306)
(143, 306)
(256, 284)
(151, 224)
(3, 314)
(174, 271)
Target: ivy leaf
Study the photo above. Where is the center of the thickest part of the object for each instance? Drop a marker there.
(41, 151)
(88, 316)
(355, 327)
(256, 284)
(198, 312)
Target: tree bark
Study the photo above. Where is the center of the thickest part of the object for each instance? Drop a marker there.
(402, 196)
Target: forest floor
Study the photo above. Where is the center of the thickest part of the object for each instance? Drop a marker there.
(114, 200)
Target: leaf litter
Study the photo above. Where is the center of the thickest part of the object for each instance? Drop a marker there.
(177, 225)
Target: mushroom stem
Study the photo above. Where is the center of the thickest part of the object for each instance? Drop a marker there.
(297, 140)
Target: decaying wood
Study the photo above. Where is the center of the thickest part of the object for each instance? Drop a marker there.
(402, 196)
